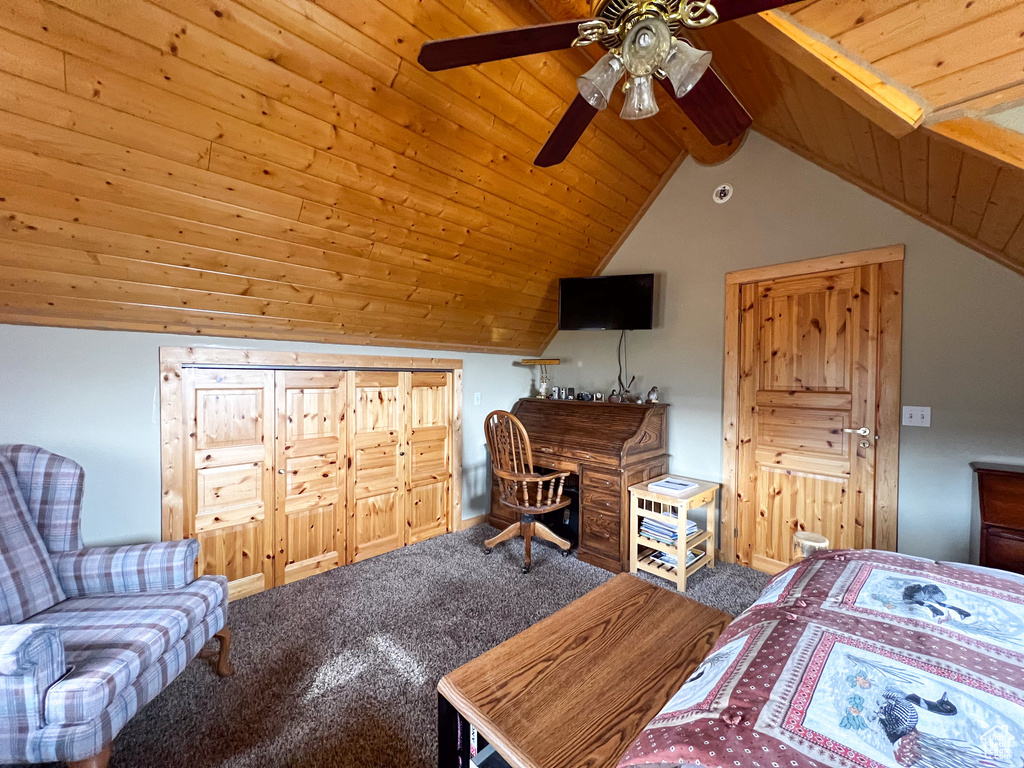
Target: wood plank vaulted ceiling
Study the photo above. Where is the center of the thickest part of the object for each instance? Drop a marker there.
(285, 169)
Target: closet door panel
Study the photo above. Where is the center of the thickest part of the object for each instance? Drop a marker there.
(311, 469)
(229, 498)
(428, 511)
(429, 452)
(378, 495)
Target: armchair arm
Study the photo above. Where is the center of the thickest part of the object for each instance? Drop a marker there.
(527, 477)
(516, 489)
(137, 568)
(31, 660)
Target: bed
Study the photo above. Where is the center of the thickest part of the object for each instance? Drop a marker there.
(857, 659)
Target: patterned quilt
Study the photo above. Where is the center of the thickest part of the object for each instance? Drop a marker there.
(857, 659)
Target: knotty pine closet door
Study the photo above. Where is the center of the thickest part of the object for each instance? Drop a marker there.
(311, 465)
(430, 466)
(378, 485)
(292, 472)
(229, 494)
(400, 483)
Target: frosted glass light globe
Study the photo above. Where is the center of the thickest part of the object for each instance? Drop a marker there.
(640, 101)
(596, 86)
(684, 66)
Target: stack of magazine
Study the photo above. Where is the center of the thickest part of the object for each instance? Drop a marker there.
(666, 534)
(672, 486)
(666, 559)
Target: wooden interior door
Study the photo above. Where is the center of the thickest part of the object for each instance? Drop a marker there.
(378, 481)
(430, 468)
(229, 494)
(311, 469)
(808, 370)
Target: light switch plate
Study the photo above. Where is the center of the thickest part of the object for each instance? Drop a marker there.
(917, 416)
(476, 398)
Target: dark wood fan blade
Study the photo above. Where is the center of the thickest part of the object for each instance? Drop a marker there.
(711, 107)
(492, 46)
(734, 9)
(568, 131)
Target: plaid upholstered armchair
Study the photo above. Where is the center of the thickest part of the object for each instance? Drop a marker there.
(88, 636)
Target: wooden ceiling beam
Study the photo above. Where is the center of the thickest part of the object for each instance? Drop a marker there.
(987, 139)
(885, 105)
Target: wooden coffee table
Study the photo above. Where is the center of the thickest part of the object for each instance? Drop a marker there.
(577, 688)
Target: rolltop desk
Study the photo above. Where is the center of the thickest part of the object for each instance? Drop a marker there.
(609, 446)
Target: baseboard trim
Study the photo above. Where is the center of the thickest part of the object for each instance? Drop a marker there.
(469, 522)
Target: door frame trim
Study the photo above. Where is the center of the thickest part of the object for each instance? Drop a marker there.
(172, 414)
(887, 405)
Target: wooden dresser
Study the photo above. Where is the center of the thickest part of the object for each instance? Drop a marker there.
(611, 446)
(1001, 494)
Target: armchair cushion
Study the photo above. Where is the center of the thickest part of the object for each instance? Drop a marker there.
(31, 660)
(122, 570)
(28, 582)
(110, 640)
(52, 488)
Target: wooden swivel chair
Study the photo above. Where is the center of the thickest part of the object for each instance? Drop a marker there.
(520, 488)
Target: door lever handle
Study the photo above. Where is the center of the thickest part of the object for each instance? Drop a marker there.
(862, 431)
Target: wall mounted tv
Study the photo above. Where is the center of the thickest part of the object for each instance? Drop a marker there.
(613, 303)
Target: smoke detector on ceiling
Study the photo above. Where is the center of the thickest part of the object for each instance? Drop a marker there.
(722, 193)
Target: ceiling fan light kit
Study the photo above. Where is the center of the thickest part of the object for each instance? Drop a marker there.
(684, 66)
(597, 84)
(640, 37)
(640, 101)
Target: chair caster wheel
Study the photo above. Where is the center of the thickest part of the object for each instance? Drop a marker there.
(566, 552)
(526, 569)
(487, 550)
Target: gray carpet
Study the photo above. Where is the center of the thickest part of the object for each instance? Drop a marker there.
(341, 669)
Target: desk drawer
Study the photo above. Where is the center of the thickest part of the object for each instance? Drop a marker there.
(600, 532)
(602, 501)
(601, 480)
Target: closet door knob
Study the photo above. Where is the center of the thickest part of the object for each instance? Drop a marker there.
(280, 471)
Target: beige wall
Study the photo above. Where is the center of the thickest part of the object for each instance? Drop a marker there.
(963, 334)
(92, 396)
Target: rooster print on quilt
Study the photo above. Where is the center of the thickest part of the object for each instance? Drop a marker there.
(857, 659)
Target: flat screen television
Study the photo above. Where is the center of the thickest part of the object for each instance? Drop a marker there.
(613, 303)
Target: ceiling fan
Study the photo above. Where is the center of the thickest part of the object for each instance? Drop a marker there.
(641, 39)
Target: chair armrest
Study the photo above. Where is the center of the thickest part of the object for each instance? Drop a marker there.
(31, 660)
(516, 489)
(162, 566)
(526, 477)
